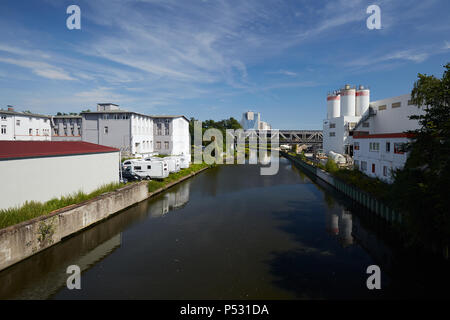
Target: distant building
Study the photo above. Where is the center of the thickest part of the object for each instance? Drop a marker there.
(43, 170)
(66, 128)
(171, 135)
(23, 126)
(131, 132)
(252, 121)
(373, 133)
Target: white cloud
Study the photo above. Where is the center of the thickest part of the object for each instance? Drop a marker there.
(40, 68)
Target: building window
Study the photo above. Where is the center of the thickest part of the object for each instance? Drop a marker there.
(396, 105)
(363, 165)
(106, 130)
(30, 132)
(356, 146)
(383, 107)
(374, 146)
(3, 118)
(37, 132)
(105, 117)
(332, 134)
(18, 123)
(159, 129)
(365, 125)
(373, 167)
(3, 130)
(388, 147)
(166, 129)
(332, 125)
(166, 145)
(158, 145)
(385, 171)
(410, 103)
(356, 164)
(399, 148)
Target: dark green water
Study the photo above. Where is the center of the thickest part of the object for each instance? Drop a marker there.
(230, 233)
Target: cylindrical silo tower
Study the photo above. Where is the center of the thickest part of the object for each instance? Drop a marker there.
(348, 101)
(333, 105)
(362, 100)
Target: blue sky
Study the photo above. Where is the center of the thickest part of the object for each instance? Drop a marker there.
(212, 59)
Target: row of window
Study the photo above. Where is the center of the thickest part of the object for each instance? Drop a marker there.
(394, 105)
(45, 132)
(3, 118)
(399, 147)
(386, 169)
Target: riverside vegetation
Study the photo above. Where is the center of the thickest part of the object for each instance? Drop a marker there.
(34, 209)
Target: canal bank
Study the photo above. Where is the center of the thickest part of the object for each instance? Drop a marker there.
(20, 241)
(363, 198)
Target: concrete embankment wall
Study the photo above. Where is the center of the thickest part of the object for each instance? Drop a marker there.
(23, 240)
(363, 198)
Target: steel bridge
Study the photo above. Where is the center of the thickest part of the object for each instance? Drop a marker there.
(301, 137)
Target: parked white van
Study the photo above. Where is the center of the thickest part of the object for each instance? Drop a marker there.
(185, 161)
(177, 161)
(149, 169)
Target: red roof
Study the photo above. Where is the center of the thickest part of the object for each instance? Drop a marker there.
(382, 135)
(31, 149)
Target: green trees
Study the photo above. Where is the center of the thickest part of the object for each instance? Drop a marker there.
(222, 125)
(421, 189)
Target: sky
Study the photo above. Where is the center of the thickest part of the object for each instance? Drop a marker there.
(215, 59)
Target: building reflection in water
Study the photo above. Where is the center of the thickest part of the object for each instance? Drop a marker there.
(339, 223)
(173, 199)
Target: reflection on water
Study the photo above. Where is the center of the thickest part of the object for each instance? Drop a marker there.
(228, 233)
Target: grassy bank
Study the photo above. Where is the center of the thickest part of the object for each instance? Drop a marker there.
(374, 186)
(33, 209)
(154, 185)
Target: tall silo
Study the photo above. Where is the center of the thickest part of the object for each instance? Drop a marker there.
(333, 105)
(348, 101)
(362, 100)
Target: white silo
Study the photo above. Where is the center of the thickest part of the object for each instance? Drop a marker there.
(348, 101)
(362, 100)
(333, 105)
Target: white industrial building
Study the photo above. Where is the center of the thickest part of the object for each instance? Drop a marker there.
(131, 132)
(24, 126)
(252, 121)
(136, 134)
(374, 133)
(171, 135)
(43, 170)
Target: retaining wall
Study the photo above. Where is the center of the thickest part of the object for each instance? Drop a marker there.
(23, 240)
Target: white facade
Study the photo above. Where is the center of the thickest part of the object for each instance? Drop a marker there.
(380, 148)
(378, 155)
(141, 134)
(44, 178)
(375, 136)
(24, 126)
(336, 133)
(171, 135)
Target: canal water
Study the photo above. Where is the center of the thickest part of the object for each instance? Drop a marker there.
(230, 233)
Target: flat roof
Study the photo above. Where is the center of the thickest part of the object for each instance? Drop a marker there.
(36, 149)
